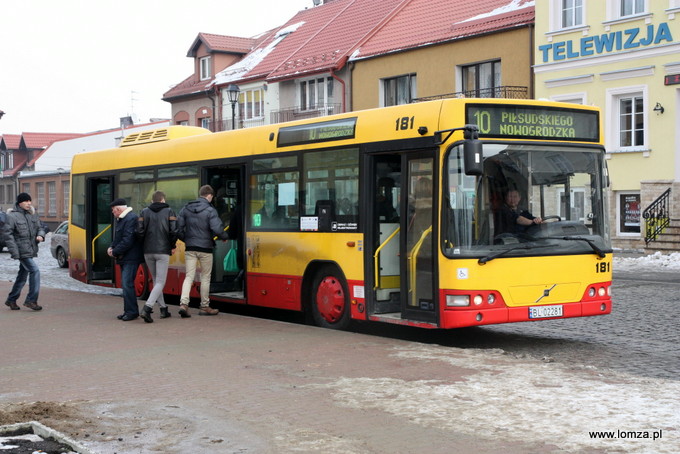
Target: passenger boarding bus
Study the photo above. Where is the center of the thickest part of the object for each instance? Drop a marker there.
(386, 215)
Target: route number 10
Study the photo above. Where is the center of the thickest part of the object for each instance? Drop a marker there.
(483, 120)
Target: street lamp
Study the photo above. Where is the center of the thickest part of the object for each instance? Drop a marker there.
(233, 92)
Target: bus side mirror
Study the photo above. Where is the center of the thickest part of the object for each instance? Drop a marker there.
(472, 157)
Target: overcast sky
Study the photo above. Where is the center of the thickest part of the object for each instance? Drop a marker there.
(80, 65)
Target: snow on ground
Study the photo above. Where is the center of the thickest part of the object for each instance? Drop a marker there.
(525, 402)
(654, 262)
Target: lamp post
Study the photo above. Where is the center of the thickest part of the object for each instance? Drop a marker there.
(233, 92)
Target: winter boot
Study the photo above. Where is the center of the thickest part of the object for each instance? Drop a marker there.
(184, 311)
(12, 305)
(165, 313)
(146, 314)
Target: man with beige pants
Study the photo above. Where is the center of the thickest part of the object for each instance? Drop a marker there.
(197, 225)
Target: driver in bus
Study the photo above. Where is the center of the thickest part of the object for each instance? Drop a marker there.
(511, 219)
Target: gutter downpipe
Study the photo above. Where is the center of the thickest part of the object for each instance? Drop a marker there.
(342, 82)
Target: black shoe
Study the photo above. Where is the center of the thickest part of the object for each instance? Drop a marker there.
(184, 311)
(146, 314)
(120, 317)
(12, 305)
(127, 318)
(33, 305)
(165, 313)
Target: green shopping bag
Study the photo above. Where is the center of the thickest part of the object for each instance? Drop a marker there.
(230, 262)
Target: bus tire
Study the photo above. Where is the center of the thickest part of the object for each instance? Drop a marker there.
(330, 299)
(142, 282)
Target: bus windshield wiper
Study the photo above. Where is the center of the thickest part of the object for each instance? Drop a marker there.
(591, 243)
(490, 257)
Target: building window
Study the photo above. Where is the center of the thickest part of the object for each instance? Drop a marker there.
(205, 123)
(631, 122)
(627, 119)
(204, 64)
(399, 90)
(482, 80)
(572, 13)
(40, 191)
(66, 192)
(26, 187)
(628, 214)
(316, 93)
(2, 193)
(52, 196)
(631, 7)
(250, 104)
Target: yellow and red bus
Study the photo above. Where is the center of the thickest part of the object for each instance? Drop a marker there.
(385, 215)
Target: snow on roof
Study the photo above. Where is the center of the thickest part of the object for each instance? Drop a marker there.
(514, 5)
(239, 70)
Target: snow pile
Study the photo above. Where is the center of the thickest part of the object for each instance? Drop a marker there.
(656, 261)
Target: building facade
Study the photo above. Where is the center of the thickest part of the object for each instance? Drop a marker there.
(623, 56)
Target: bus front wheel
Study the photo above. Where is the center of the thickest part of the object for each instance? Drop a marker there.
(330, 299)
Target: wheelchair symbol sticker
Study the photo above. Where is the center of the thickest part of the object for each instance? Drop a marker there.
(462, 273)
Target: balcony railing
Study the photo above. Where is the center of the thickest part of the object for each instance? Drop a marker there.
(296, 113)
(239, 123)
(507, 91)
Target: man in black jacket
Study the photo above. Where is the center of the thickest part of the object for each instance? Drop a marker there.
(22, 233)
(157, 228)
(197, 225)
(127, 251)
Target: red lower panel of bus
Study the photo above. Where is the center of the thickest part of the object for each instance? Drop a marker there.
(476, 317)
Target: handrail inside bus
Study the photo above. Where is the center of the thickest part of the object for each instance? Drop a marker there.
(412, 263)
(96, 238)
(375, 256)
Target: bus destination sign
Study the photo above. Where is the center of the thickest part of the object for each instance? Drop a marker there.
(533, 122)
(317, 132)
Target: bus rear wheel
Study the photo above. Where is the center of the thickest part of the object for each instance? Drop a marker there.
(141, 282)
(330, 299)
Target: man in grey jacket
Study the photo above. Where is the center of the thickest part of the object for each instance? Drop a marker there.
(22, 232)
(197, 225)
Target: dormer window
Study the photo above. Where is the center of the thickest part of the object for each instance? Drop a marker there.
(204, 64)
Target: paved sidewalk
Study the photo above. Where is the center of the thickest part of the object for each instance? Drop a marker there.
(234, 384)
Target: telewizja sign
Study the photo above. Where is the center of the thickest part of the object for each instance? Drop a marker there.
(606, 43)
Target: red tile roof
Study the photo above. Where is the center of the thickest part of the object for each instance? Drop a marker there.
(325, 37)
(36, 140)
(11, 141)
(420, 24)
(222, 43)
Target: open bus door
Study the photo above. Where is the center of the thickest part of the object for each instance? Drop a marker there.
(99, 229)
(402, 258)
(228, 279)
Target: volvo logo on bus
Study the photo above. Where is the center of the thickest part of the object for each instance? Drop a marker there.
(546, 293)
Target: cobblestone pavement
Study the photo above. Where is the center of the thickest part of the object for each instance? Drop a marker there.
(236, 384)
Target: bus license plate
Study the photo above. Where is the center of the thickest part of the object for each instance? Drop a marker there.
(545, 311)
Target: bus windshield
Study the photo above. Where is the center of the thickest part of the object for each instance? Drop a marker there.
(563, 186)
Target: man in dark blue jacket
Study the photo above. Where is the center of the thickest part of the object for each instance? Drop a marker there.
(128, 252)
(197, 225)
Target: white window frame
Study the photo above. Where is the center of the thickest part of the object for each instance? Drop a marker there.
(619, 233)
(579, 190)
(52, 198)
(614, 8)
(574, 11)
(574, 98)
(204, 67)
(413, 78)
(612, 124)
(205, 122)
(247, 107)
(66, 192)
(555, 17)
(311, 97)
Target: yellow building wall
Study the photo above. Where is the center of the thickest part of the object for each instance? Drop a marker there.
(435, 66)
(645, 69)
(649, 50)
